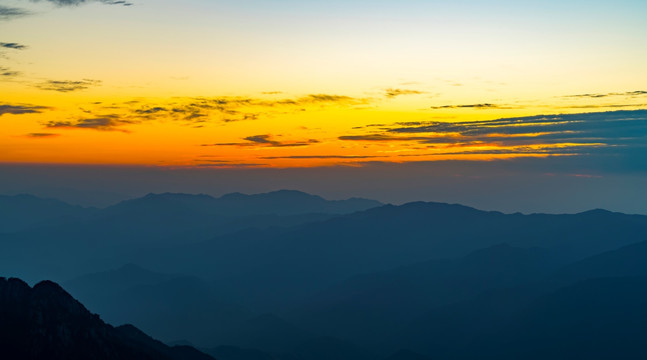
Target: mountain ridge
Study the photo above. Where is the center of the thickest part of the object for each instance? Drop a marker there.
(46, 322)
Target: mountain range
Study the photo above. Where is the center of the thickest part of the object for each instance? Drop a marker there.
(45, 322)
(291, 276)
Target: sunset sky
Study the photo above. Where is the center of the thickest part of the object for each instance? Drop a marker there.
(304, 84)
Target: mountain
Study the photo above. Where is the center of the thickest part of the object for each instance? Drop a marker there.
(407, 355)
(269, 333)
(102, 238)
(179, 352)
(629, 260)
(277, 264)
(98, 285)
(277, 338)
(45, 322)
(366, 308)
(167, 306)
(470, 328)
(20, 212)
(228, 352)
(592, 319)
(281, 202)
(291, 202)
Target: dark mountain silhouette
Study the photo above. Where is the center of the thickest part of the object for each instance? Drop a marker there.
(20, 212)
(179, 352)
(45, 322)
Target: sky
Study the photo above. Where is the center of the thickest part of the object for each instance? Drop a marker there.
(276, 94)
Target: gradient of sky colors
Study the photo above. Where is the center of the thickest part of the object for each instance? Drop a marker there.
(304, 83)
(513, 105)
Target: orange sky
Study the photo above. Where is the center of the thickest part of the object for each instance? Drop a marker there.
(220, 85)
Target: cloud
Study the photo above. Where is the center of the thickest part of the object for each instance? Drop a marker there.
(20, 109)
(42, 135)
(231, 165)
(382, 137)
(152, 110)
(226, 109)
(320, 157)
(603, 106)
(6, 72)
(14, 46)
(326, 98)
(471, 106)
(105, 123)
(68, 85)
(391, 93)
(81, 2)
(314, 99)
(620, 132)
(266, 141)
(10, 13)
(595, 96)
(540, 126)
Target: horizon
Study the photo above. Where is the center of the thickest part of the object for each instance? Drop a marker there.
(278, 191)
(505, 105)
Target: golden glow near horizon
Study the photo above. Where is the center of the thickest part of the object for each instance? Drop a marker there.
(286, 83)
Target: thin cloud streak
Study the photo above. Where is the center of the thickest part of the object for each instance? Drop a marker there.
(105, 123)
(13, 46)
(9, 13)
(21, 109)
(65, 86)
(265, 140)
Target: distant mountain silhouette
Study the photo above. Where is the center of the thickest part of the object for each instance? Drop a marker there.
(45, 322)
(407, 355)
(269, 333)
(282, 202)
(630, 260)
(291, 202)
(328, 347)
(228, 352)
(168, 307)
(282, 340)
(593, 319)
(115, 281)
(111, 236)
(20, 212)
(445, 281)
(367, 307)
(470, 328)
(274, 264)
